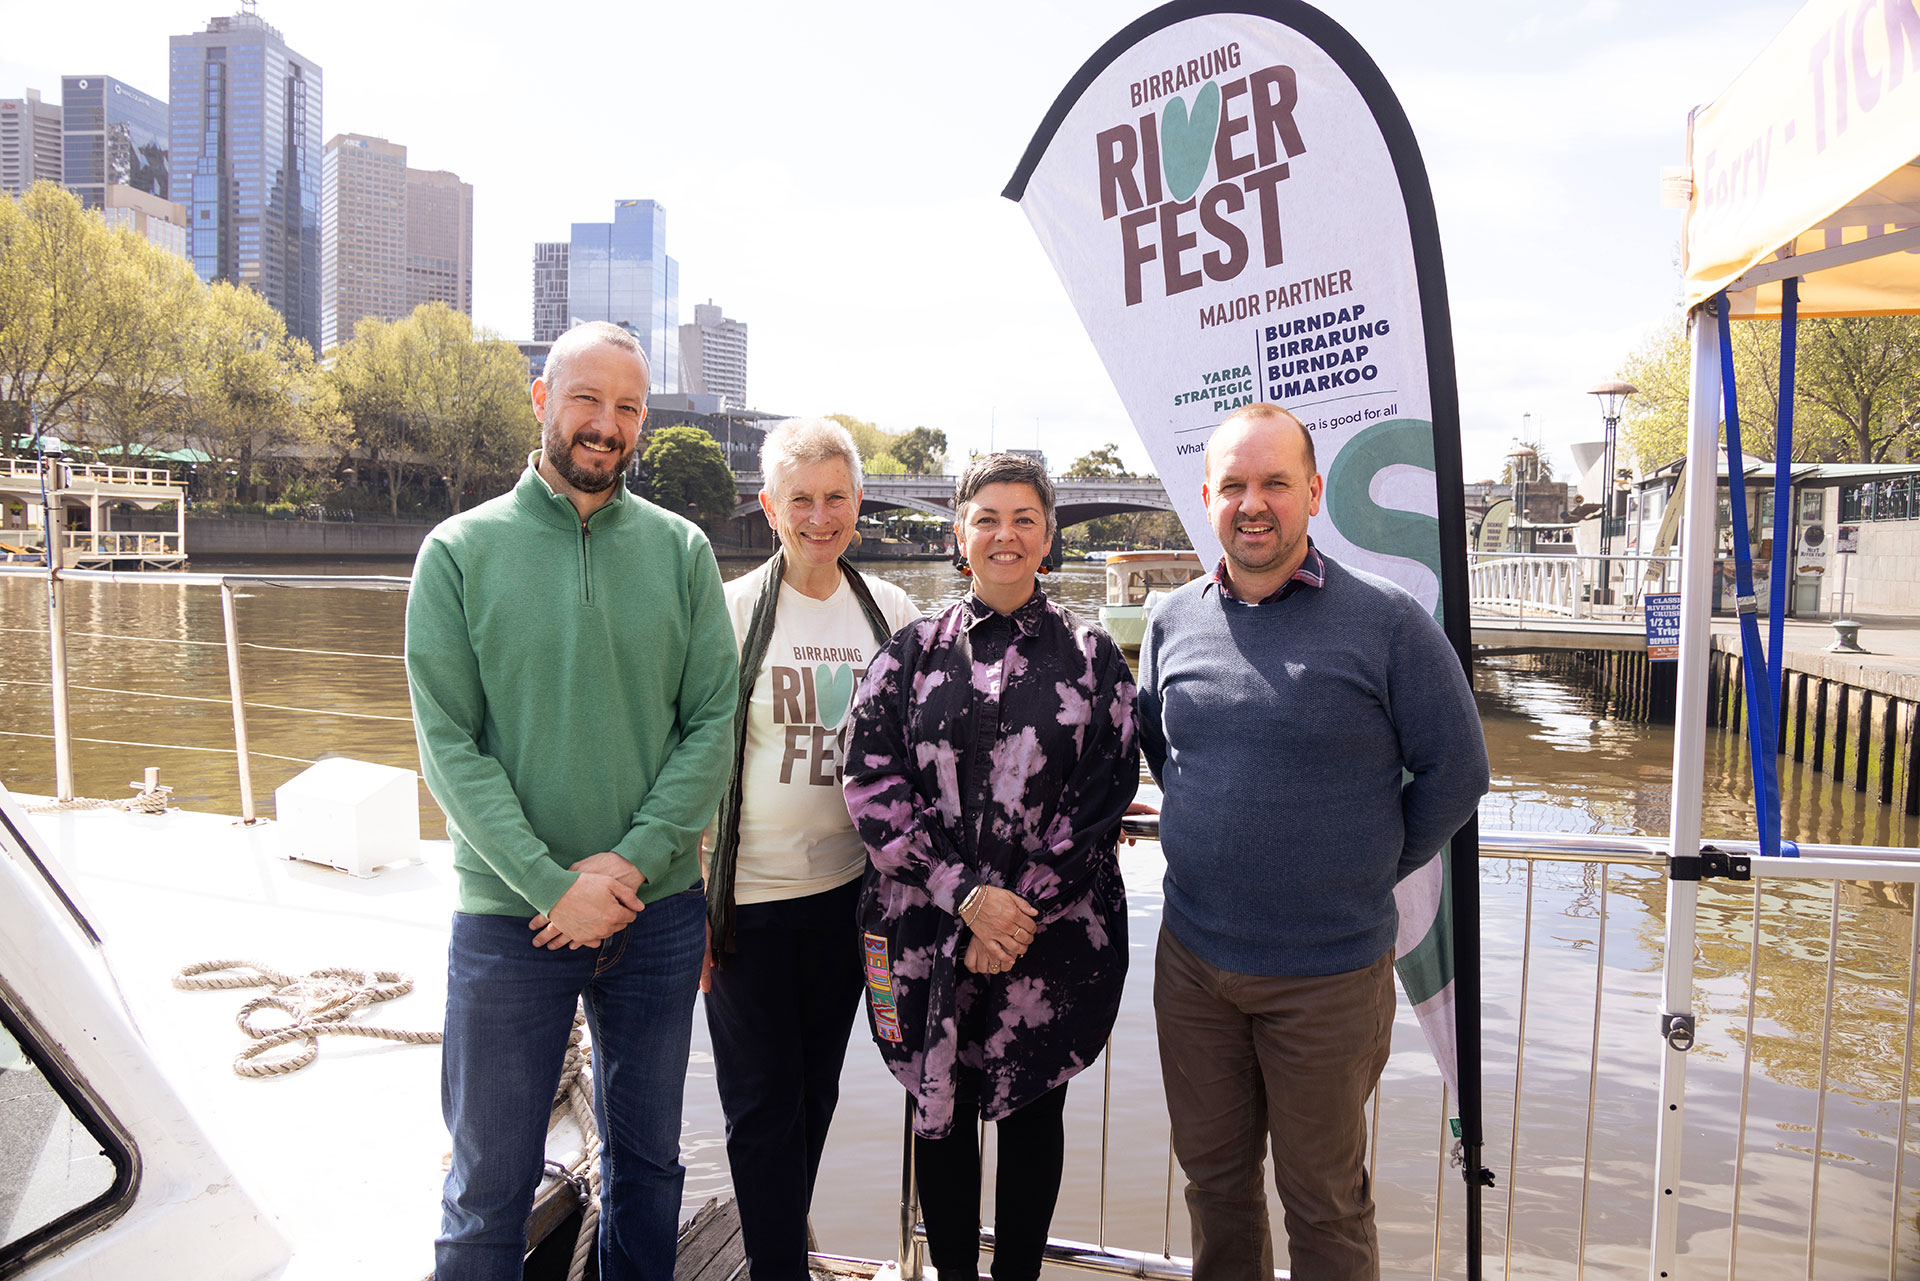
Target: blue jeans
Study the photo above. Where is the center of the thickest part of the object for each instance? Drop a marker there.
(509, 1008)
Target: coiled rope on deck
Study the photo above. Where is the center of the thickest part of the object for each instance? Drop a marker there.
(576, 1096)
(319, 1003)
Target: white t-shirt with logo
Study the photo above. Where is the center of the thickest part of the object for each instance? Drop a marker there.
(795, 836)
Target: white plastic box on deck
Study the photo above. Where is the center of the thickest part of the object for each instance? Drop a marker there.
(353, 815)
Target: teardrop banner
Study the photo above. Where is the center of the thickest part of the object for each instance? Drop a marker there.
(1236, 205)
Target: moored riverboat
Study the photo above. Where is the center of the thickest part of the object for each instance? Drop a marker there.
(1135, 581)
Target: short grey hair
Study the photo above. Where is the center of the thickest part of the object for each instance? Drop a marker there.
(800, 442)
(584, 335)
(1008, 469)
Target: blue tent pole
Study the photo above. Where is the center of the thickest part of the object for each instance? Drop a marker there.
(1753, 659)
(1782, 498)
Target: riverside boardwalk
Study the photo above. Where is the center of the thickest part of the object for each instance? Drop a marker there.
(1852, 715)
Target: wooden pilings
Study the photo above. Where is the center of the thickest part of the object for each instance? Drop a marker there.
(1853, 725)
(1635, 688)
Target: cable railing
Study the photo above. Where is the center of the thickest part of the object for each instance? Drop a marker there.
(236, 684)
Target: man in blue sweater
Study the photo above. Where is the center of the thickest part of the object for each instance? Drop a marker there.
(1284, 702)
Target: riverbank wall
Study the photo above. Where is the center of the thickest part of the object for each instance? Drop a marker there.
(1852, 717)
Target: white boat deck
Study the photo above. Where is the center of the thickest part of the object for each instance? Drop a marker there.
(348, 1152)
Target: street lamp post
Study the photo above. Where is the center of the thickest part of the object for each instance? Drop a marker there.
(1611, 396)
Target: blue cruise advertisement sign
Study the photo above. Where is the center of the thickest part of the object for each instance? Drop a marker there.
(1234, 201)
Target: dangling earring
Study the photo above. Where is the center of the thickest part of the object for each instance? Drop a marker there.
(1045, 568)
(960, 563)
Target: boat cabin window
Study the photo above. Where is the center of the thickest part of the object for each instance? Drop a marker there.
(1160, 578)
(60, 1165)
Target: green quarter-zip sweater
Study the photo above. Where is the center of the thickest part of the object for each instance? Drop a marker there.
(573, 691)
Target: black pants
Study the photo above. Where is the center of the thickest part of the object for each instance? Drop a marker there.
(1026, 1184)
(780, 1012)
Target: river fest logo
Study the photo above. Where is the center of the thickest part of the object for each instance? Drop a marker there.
(1226, 217)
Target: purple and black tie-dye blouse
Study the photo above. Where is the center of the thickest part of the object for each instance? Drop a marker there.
(994, 749)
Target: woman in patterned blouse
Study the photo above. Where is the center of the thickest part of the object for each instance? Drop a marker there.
(991, 757)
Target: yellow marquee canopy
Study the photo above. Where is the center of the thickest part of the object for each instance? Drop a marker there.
(1806, 166)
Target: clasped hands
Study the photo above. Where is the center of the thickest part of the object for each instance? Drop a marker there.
(599, 904)
(1003, 925)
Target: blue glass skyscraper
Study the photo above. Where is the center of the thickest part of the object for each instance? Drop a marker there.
(620, 271)
(246, 162)
(113, 135)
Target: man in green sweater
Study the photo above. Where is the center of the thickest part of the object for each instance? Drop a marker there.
(572, 668)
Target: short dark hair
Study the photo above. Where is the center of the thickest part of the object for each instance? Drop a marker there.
(1257, 412)
(1007, 469)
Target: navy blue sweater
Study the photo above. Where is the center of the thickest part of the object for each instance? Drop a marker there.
(1279, 734)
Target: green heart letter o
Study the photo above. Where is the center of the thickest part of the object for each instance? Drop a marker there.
(1186, 141)
(833, 692)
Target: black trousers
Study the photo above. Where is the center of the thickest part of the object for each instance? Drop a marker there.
(780, 1012)
(1026, 1184)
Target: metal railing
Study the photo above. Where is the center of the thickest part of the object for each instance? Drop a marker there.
(122, 544)
(68, 475)
(1536, 1173)
(1568, 585)
(236, 686)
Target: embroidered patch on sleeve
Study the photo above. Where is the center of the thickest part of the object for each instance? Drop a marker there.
(886, 1019)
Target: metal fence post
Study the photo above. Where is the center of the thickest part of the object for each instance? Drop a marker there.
(239, 703)
(57, 663)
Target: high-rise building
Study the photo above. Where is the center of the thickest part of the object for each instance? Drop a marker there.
(550, 314)
(114, 135)
(713, 356)
(440, 239)
(619, 271)
(391, 237)
(161, 222)
(246, 162)
(363, 234)
(29, 143)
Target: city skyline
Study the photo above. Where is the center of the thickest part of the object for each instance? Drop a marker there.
(840, 186)
(246, 113)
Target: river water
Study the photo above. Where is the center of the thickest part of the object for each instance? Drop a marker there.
(323, 677)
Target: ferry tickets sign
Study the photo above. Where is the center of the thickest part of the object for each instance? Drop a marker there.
(1234, 201)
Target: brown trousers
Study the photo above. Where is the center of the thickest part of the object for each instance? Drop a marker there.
(1246, 1057)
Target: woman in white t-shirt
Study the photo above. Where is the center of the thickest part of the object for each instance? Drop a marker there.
(783, 881)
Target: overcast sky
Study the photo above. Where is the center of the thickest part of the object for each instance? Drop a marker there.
(831, 175)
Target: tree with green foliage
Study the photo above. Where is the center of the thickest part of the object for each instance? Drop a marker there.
(249, 391)
(1101, 464)
(686, 473)
(467, 401)
(434, 400)
(923, 451)
(867, 438)
(1539, 468)
(369, 377)
(67, 299)
(134, 408)
(1856, 391)
(1862, 374)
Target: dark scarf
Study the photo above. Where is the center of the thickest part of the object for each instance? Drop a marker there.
(721, 909)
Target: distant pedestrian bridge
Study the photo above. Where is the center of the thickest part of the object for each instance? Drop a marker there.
(1074, 500)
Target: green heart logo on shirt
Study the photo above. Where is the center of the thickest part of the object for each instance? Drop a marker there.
(833, 692)
(1186, 142)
